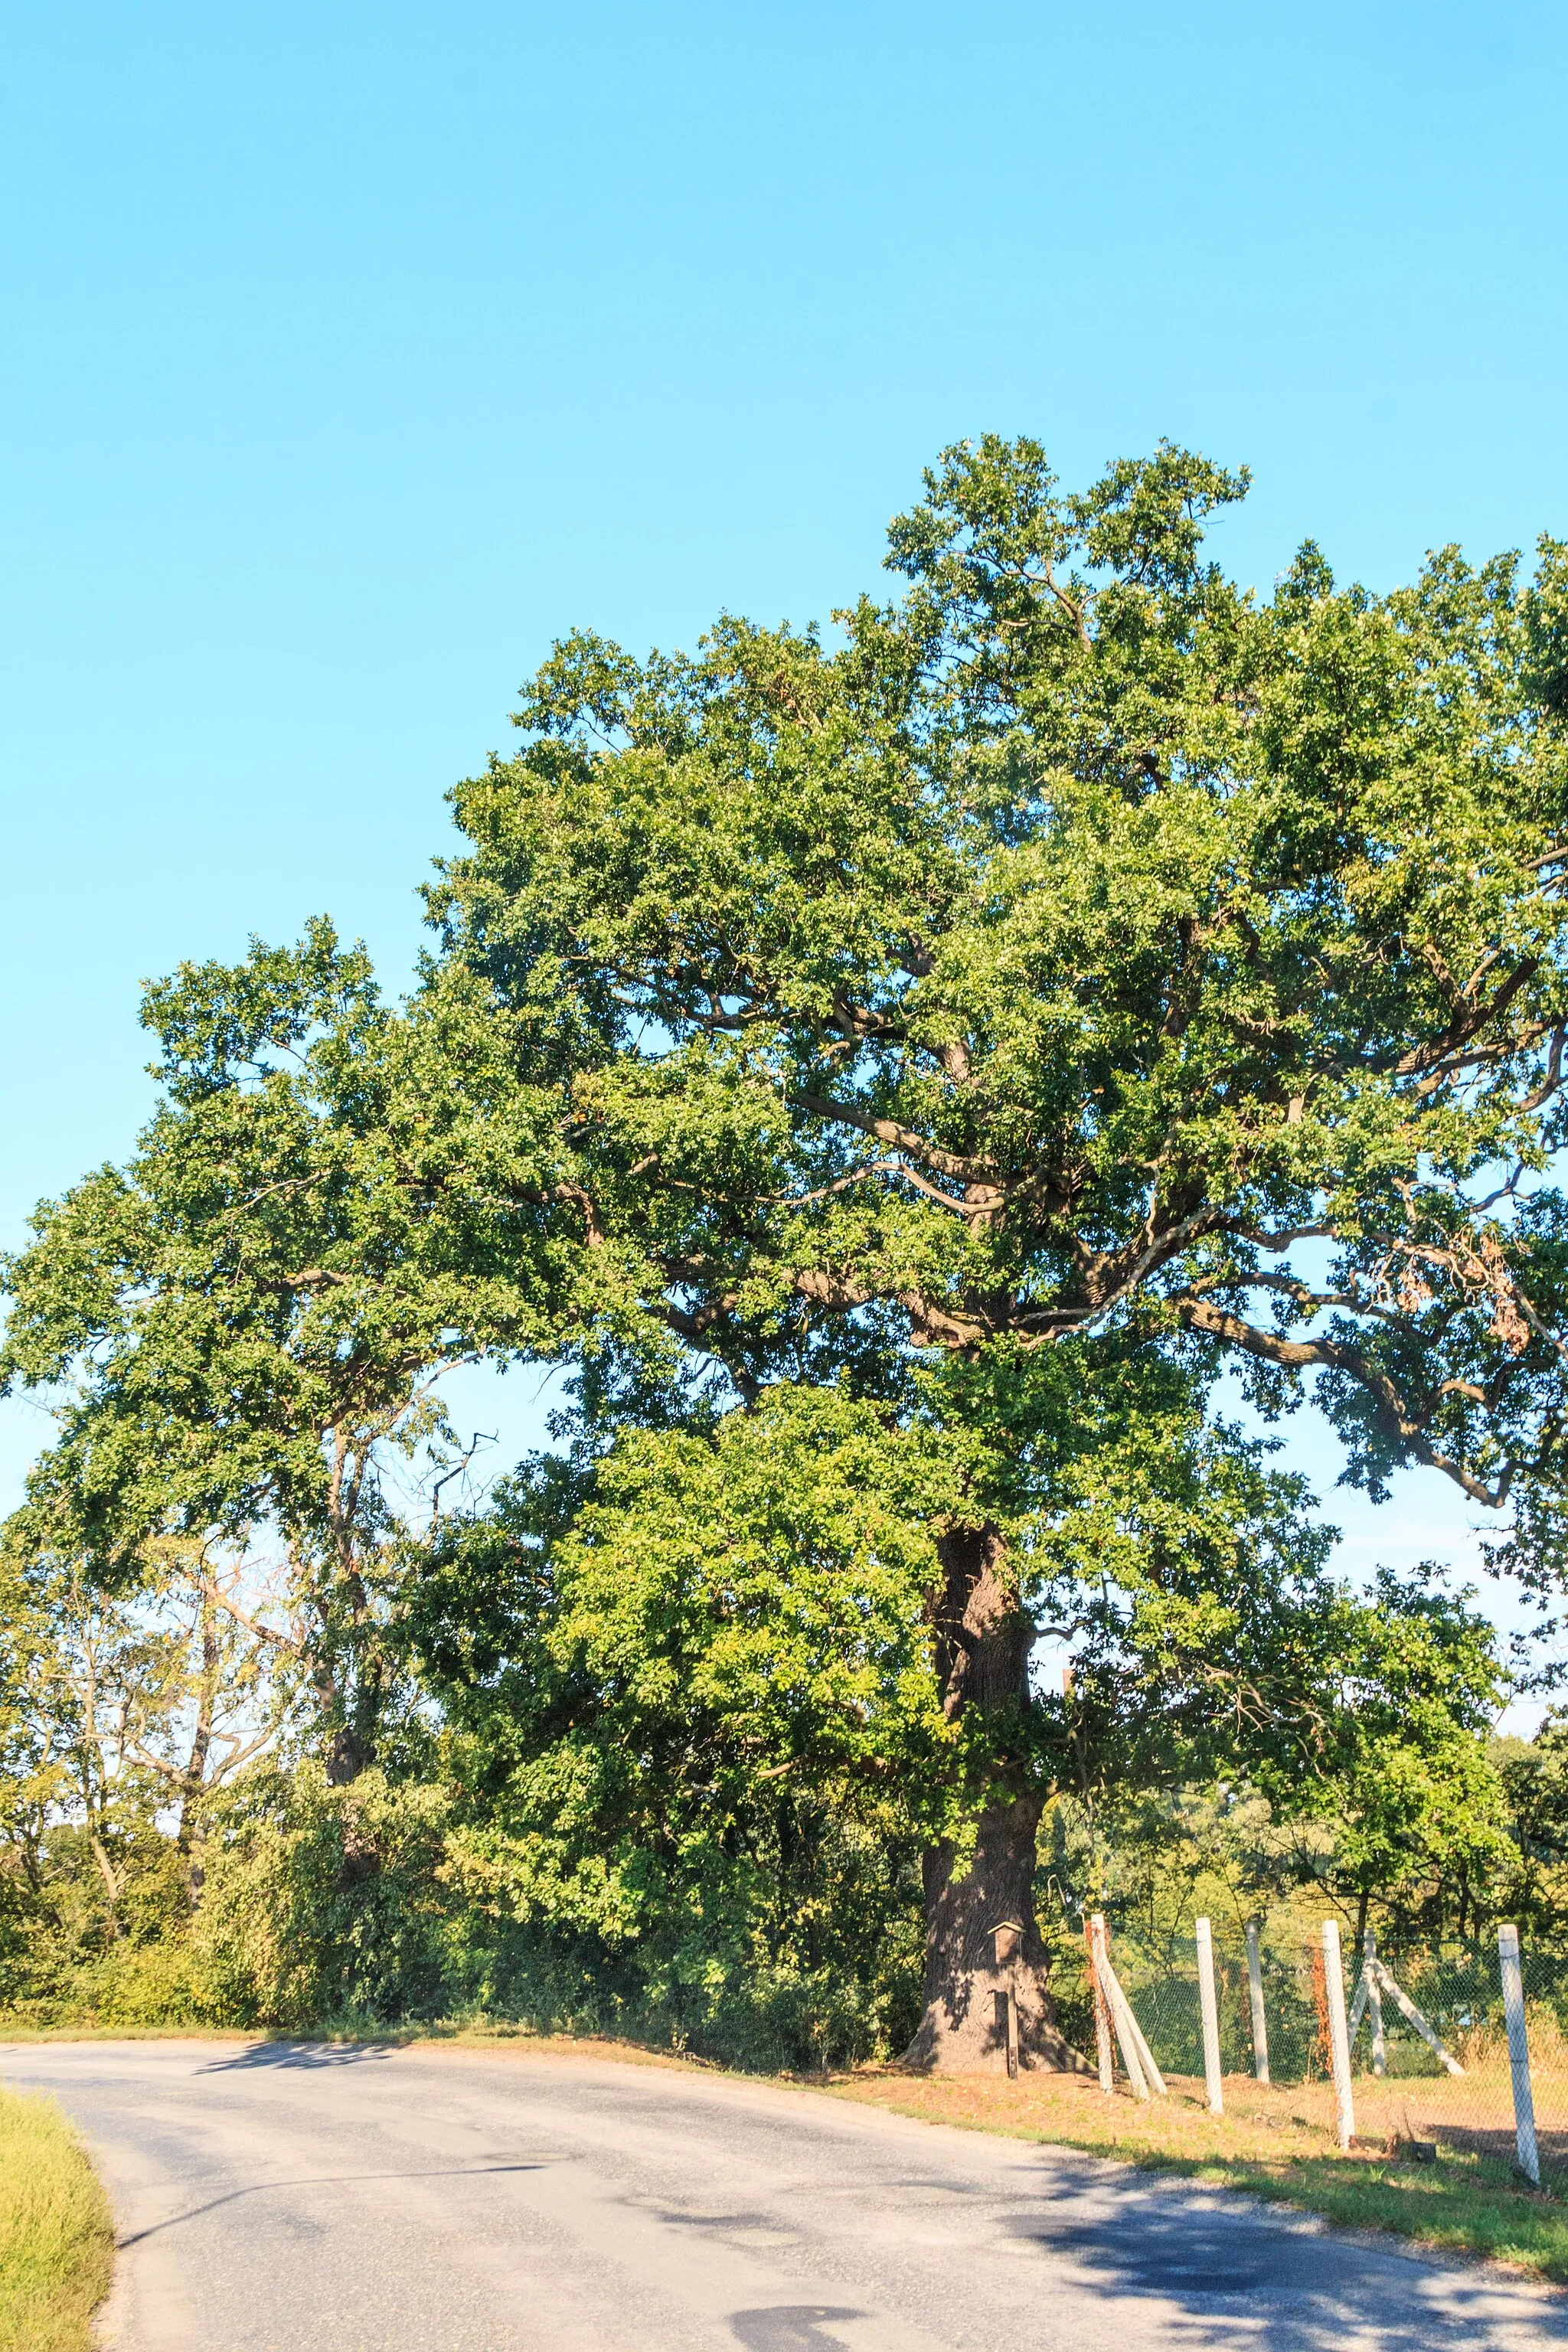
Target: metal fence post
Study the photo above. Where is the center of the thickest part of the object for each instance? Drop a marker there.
(1209, 2006)
(1339, 2037)
(1517, 2052)
(1259, 2021)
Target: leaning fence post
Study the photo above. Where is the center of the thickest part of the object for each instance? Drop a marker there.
(1259, 2021)
(1424, 2026)
(1517, 2052)
(1373, 2001)
(1104, 2049)
(1121, 2012)
(1339, 2039)
(1209, 2008)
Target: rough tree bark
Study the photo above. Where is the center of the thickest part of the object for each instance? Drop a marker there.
(194, 1787)
(984, 1639)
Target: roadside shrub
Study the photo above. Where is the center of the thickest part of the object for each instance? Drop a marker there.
(323, 1903)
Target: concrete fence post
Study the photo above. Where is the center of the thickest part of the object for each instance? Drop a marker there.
(1517, 2052)
(1373, 2001)
(1254, 1987)
(1339, 2037)
(1209, 2006)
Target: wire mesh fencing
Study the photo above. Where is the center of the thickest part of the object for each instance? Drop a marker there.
(1431, 2070)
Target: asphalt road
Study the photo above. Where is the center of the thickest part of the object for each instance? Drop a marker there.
(280, 2199)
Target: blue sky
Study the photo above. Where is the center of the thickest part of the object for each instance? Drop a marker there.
(351, 353)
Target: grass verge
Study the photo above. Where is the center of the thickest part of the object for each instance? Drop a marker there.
(57, 2240)
(1277, 2145)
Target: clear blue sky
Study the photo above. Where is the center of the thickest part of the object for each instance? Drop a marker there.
(352, 353)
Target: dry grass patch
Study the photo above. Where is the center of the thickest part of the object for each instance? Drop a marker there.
(56, 2238)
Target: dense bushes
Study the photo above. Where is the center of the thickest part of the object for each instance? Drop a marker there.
(660, 1749)
(371, 1903)
(324, 1904)
(353, 1907)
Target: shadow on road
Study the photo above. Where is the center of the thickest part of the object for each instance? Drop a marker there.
(304, 2054)
(1236, 2279)
(790, 2328)
(321, 2181)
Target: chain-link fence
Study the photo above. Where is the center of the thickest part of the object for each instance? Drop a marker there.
(1430, 2048)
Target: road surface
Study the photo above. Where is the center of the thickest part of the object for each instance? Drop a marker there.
(278, 2198)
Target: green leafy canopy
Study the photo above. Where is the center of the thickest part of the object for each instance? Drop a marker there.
(1077, 944)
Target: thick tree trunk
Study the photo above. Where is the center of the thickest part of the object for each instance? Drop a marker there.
(348, 1755)
(986, 1981)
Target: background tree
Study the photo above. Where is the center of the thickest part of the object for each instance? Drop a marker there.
(245, 1329)
(1405, 1782)
(1534, 1775)
(128, 1717)
(1389, 1803)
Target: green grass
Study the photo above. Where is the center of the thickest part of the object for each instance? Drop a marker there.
(57, 2240)
(1450, 2204)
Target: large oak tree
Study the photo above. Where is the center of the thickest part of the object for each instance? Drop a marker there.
(1076, 975)
(1076, 950)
